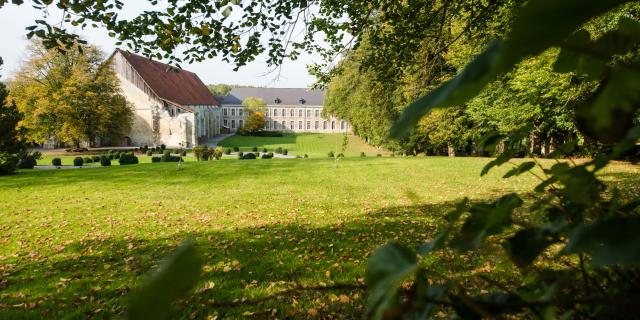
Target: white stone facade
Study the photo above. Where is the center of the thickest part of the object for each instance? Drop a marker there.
(293, 118)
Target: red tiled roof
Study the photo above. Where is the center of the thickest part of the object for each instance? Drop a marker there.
(178, 86)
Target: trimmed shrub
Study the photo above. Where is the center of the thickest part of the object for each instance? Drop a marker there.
(217, 153)
(95, 159)
(236, 149)
(117, 155)
(264, 150)
(77, 161)
(248, 156)
(254, 149)
(227, 151)
(28, 160)
(56, 162)
(285, 152)
(279, 150)
(330, 154)
(149, 153)
(267, 156)
(105, 161)
(340, 155)
(306, 156)
(127, 158)
(162, 147)
(155, 159)
(240, 154)
(378, 155)
(167, 157)
(362, 154)
(88, 160)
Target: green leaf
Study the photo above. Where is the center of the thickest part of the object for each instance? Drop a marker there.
(485, 220)
(500, 160)
(525, 246)
(175, 276)
(386, 270)
(455, 92)
(610, 242)
(522, 168)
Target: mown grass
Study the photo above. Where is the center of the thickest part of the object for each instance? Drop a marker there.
(74, 243)
(312, 144)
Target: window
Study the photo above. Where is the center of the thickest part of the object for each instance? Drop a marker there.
(317, 125)
(292, 113)
(226, 124)
(275, 113)
(284, 113)
(268, 124)
(240, 123)
(324, 125)
(240, 113)
(300, 114)
(266, 113)
(275, 125)
(292, 125)
(233, 123)
(342, 124)
(284, 124)
(317, 113)
(300, 125)
(308, 125)
(233, 112)
(308, 113)
(224, 111)
(333, 125)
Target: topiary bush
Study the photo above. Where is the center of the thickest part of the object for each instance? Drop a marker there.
(378, 155)
(155, 159)
(162, 147)
(105, 161)
(217, 153)
(240, 154)
(279, 150)
(248, 156)
(306, 155)
(95, 159)
(264, 150)
(149, 153)
(127, 158)
(340, 155)
(267, 156)
(330, 154)
(167, 157)
(285, 152)
(117, 155)
(254, 149)
(56, 162)
(236, 149)
(362, 154)
(227, 151)
(28, 160)
(88, 160)
(78, 161)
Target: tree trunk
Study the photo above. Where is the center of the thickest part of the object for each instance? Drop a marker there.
(451, 151)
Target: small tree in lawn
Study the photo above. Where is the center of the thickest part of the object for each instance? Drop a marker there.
(10, 142)
(254, 119)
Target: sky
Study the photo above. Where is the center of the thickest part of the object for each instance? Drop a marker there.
(13, 42)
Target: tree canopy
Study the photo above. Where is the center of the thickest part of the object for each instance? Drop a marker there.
(72, 97)
(254, 118)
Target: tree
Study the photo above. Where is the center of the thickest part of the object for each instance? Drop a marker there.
(220, 89)
(11, 142)
(255, 119)
(70, 97)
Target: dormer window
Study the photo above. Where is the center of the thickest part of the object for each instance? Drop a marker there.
(302, 101)
(277, 101)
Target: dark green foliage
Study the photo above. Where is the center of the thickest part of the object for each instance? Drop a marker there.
(56, 162)
(167, 157)
(203, 153)
(278, 150)
(248, 156)
(264, 150)
(28, 160)
(240, 155)
(254, 149)
(117, 155)
(149, 153)
(362, 154)
(227, 151)
(127, 158)
(95, 158)
(267, 156)
(78, 161)
(105, 161)
(340, 155)
(236, 149)
(378, 155)
(10, 142)
(174, 278)
(155, 159)
(330, 154)
(87, 160)
(306, 155)
(162, 147)
(285, 152)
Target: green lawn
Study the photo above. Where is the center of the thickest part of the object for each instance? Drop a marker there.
(312, 144)
(73, 243)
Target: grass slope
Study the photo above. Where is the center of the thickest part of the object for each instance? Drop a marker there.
(313, 144)
(74, 243)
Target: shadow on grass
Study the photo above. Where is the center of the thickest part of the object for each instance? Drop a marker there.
(92, 278)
